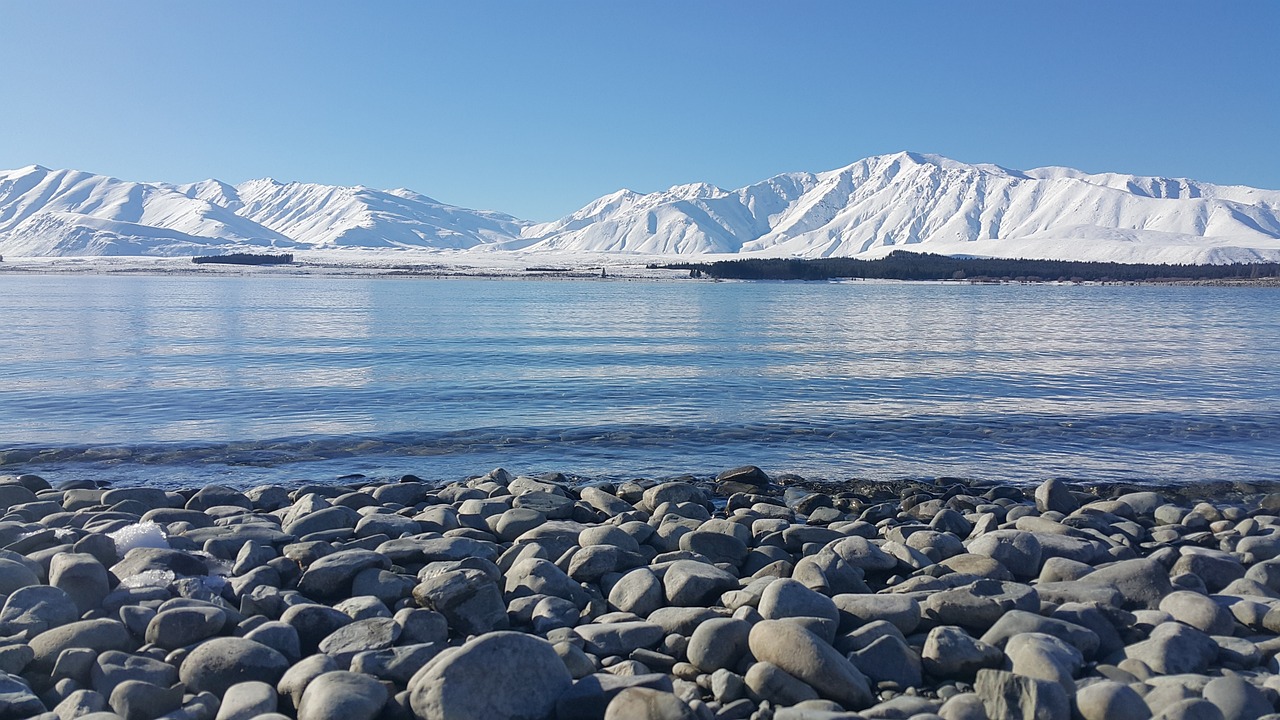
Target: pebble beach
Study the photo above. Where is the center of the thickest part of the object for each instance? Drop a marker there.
(738, 597)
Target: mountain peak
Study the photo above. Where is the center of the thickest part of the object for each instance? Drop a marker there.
(908, 199)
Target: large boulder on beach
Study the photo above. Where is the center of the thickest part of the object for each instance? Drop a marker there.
(718, 643)
(17, 700)
(951, 653)
(331, 576)
(496, 675)
(689, 583)
(1006, 695)
(342, 695)
(219, 663)
(1141, 582)
(805, 656)
(15, 576)
(1175, 648)
(35, 609)
(469, 599)
(98, 635)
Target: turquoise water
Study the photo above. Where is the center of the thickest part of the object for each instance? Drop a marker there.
(174, 380)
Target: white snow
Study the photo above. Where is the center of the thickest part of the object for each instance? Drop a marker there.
(909, 201)
(143, 534)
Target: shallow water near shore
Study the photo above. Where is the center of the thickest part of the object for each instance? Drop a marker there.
(245, 380)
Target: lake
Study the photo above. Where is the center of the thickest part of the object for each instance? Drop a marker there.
(175, 380)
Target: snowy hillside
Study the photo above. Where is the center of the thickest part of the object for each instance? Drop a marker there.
(869, 208)
(68, 212)
(934, 204)
(326, 216)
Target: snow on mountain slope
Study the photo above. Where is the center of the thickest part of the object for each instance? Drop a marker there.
(38, 206)
(334, 216)
(687, 219)
(925, 202)
(869, 208)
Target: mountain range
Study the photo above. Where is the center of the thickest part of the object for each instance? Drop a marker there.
(869, 208)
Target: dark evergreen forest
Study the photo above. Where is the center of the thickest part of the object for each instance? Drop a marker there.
(904, 265)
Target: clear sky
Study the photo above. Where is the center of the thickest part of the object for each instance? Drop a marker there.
(536, 108)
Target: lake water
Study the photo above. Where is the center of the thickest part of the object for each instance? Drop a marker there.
(180, 380)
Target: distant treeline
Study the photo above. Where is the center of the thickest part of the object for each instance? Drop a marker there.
(904, 265)
(245, 259)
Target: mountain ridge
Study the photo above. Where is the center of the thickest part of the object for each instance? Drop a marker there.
(865, 209)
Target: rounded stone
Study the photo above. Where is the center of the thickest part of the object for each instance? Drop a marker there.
(35, 609)
(689, 583)
(247, 700)
(496, 675)
(1018, 551)
(182, 626)
(787, 598)
(639, 592)
(1237, 698)
(640, 703)
(1108, 700)
(342, 695)
(718, 643)
(1198, 611)
(220, 663)
(97, 635)
(802, 654)
(14, 576)
(138, 700)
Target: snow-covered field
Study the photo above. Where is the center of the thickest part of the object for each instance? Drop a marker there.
(358, 262)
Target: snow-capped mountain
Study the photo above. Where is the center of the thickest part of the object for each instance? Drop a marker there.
(326, 216)
(934, 204)
(869, 208)
(68, 212)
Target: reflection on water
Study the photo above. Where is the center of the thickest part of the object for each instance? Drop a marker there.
(247, 379)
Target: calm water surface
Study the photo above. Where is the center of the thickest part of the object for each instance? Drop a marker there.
(173, 380)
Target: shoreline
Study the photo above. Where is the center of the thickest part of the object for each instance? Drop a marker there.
(743, 596)
(457, 265)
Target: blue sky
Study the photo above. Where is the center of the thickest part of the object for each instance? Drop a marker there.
(536, 108)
